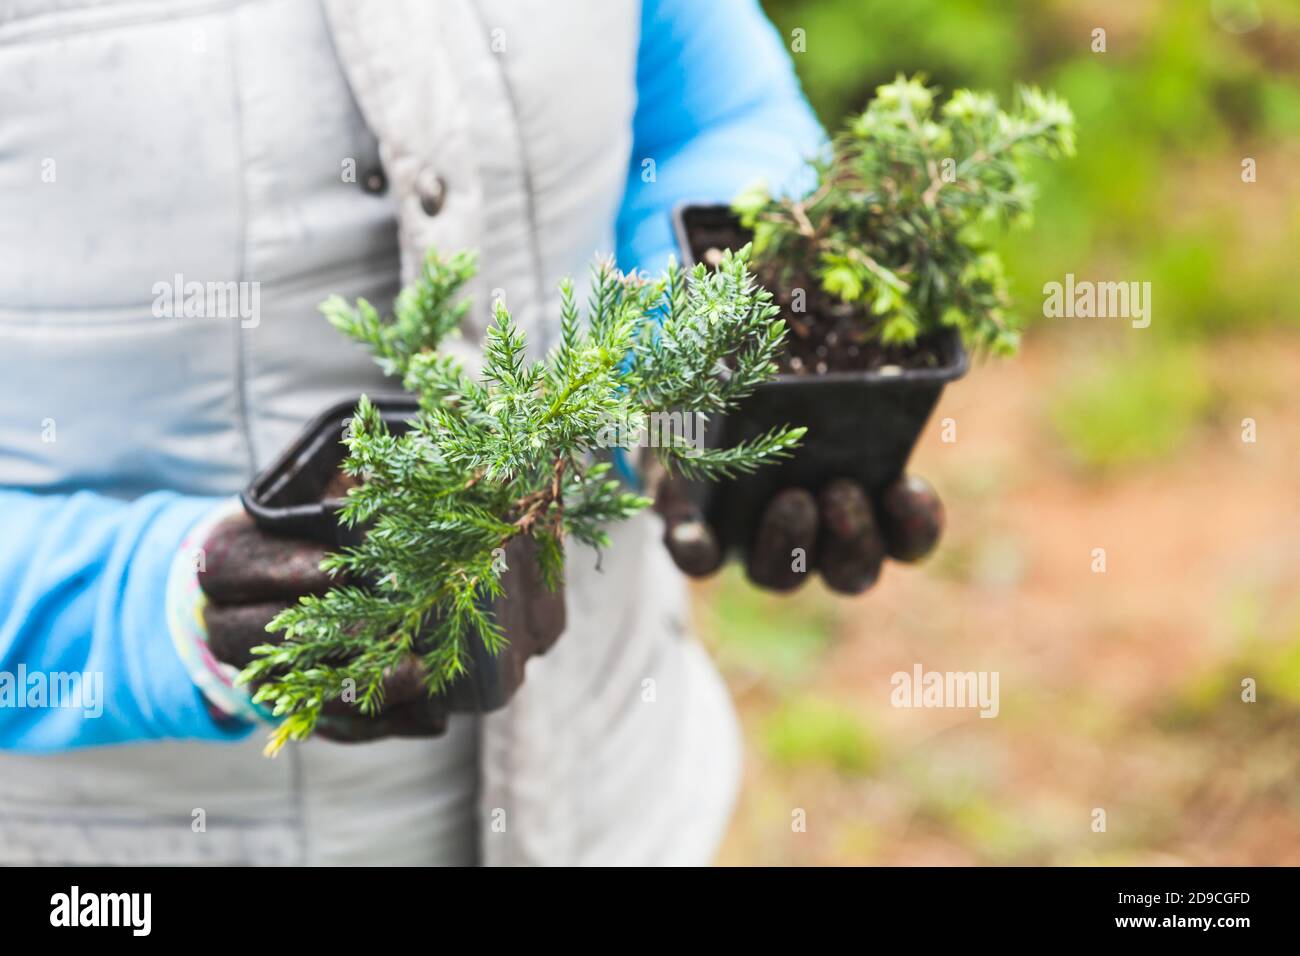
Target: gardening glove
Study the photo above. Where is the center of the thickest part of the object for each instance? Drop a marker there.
(250, 576)
(840, 533)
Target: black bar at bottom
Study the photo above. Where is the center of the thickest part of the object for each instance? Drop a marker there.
(344, 905)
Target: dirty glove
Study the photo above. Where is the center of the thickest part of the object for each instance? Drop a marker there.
(250, 576)
(839, 533)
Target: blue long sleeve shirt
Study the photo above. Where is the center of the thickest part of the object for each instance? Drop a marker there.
(83, 577)
(718, 107)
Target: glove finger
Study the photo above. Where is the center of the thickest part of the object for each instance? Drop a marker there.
(532, 614)
(419, 718)
(405, 683)
(785, 545)
(245, 565)
(850, 544)
(911, 517)
(408, 710)
(235, 629)
(691, 542)
(402, 684)
(351, 729)
(356, 728)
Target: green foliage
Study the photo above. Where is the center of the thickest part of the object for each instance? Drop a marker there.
(506, 453)
(1164, 120)
(901, 219)
(767, 637)
(1138, 409)
(811, 731)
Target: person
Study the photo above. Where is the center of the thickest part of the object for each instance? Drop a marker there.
(282, 151)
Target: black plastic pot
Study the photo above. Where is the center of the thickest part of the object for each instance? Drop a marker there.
(286, 499)
(861, 425)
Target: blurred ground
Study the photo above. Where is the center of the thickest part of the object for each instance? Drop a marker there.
(1122, 690)
(1119, 690)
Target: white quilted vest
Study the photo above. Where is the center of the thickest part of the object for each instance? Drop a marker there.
(240, 140)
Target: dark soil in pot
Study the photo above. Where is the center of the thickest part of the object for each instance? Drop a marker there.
(299, 495)
(338, 486)
(864, 404)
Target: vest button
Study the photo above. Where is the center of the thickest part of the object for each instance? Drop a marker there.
(432, 190)
(374, 181)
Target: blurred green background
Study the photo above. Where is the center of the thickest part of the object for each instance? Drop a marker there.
(1121, 690)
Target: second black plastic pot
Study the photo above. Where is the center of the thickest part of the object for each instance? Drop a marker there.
(861, 425)
(287, 499)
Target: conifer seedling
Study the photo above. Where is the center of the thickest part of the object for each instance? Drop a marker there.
(513, 450)
(887, 276)
(896, 238)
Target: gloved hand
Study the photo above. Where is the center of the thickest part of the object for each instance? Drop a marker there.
(250, 576)
(842, 535)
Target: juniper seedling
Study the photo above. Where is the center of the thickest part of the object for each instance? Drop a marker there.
(900, 222)
(514, 450)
